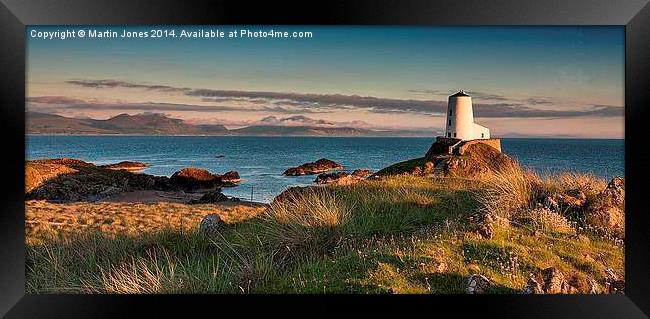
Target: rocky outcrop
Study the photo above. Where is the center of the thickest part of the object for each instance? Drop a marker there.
(453, 146)
(343, 178)
(210, 197)
(74, 180)
(320, 166)
(607, 211)
(68, 179)
(231, 177)
(211, 224)
(193, 178)
(126, 165)
(478, 160)
(478, 284)
(552, 281)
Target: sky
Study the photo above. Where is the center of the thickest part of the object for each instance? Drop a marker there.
(524, 81)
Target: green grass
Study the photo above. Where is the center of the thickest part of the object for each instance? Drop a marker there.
(400, 235)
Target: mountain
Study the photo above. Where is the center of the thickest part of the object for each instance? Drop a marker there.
(145, 124)
(301, 131)
(159, 124)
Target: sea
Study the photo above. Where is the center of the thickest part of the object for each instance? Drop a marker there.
(260, 161)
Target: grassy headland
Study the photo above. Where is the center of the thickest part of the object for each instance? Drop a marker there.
(396, 234)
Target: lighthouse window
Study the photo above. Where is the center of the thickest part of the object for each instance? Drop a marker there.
(482, 135)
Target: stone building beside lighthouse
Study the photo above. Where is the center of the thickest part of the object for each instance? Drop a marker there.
(460, 119)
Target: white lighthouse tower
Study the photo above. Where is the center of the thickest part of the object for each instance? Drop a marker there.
(460, 119)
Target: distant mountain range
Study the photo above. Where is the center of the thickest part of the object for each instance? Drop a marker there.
(159, 124)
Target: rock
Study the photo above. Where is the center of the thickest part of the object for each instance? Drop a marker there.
(211, 224)
(429, 168)
(554, 282)
(320, 166)
(617, 287)
(615, 191)
(478, 284)
(328, 178)
(486, 226)
(192, 178)
(478, 160)
(362, 173)
(230, 177)
(593, 287)
(607, 211)
(572, 198)
(342, 178)
(67, 179)
(210, 197)
(580, 283)
(533, 287)
(551, 203)
(610, 274)
(610, 219)
(126, 165)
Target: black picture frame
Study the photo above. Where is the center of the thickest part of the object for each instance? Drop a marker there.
(633, 14)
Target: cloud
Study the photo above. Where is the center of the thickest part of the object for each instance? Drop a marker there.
(299, 103)
(54, 100)
(299, 120)
(474, 94)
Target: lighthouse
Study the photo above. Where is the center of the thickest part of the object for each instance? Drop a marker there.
(460, 119)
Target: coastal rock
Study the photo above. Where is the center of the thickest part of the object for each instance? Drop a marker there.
(126, 165)
(343, 178)
(533, 287)
(67, 179)
(573, 198)
(554, 282)
(478, 284)
(211, 224)
(230, 177)
(607, 211)
(485, 227)
(615, 191)
(210, 197)
(197, 178)
(320, 166)
(478, 160)
(615, 287)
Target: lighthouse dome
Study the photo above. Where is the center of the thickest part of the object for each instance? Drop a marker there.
(460, 93)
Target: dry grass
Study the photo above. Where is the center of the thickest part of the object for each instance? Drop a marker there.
(508, 192)
(45, 220)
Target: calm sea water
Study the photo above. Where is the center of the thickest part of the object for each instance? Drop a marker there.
(261, 160)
